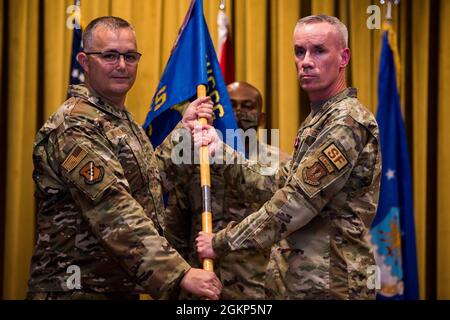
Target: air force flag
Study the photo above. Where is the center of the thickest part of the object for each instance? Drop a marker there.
(393, 233)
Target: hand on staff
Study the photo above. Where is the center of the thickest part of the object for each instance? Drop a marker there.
(202, 283)
(200, 108)
(204, 246)
(206, 135)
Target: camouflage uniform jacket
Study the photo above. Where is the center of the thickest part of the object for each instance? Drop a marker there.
(99, 193)
(241, 272)
(324, 202)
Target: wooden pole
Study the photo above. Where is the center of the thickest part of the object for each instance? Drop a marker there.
(205, 182)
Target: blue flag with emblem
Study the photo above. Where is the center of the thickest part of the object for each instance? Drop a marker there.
(76, 71)
(193, 62)
(393, 231)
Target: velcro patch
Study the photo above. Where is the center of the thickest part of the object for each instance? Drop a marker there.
(313, 174)
(75, 157)
(324, 160)
(92, 173)
(335, 156)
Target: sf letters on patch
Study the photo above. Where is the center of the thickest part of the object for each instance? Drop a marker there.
(335, 156)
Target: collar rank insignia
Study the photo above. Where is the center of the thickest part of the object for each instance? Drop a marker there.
(91, 173)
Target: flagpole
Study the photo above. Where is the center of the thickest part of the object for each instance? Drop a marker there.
(205, 182)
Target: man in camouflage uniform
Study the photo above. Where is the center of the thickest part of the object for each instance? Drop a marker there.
(99, 188)
(326, 197)
(241, 272)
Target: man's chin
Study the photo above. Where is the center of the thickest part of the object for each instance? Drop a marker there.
(308, 87)
(120, 87)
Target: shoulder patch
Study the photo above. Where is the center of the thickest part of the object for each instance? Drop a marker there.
(324, 160)
(75, 157)
(322, 167)
(92, 173)
(313, 174)
(88, 172)
(335, 156)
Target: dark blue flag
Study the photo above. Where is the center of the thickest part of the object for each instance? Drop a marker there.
(393, 232)
(76, 71)
(193, 62)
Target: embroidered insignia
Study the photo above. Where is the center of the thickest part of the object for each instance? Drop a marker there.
(335, 156)
(312, 175)
(326, 163)
(74, 158)
(92, 174)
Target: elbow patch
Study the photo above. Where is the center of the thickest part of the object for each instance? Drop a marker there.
(87, 172)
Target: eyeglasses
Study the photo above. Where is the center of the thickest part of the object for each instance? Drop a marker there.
(112, 57)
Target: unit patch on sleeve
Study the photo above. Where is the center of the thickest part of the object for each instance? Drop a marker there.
(92, 174)
(313, 174)
(335, 156)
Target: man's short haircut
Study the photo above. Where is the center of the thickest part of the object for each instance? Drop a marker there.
(109, 22)
(259, 100)
(338, 25)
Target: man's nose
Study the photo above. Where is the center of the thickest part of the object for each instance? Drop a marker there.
(121, 62)
(307, 62)
(236, 106)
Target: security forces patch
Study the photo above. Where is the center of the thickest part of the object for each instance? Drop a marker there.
(335, 156)
(92, 174)
(313, 174)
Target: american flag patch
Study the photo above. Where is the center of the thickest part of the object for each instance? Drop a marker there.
(74, 158)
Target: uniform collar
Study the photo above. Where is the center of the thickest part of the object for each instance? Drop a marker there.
(83, 92)
(319, 108)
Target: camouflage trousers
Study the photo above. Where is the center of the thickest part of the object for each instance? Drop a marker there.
(81, 295)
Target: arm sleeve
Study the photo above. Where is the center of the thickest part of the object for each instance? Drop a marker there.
(98, 186)
(321, 174)
(248, 177)
(174, 158)
(177, 221)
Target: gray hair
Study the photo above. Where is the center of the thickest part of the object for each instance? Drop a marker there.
(335, 22)
(109, 22)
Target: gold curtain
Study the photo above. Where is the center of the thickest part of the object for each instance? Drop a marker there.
(35, 49)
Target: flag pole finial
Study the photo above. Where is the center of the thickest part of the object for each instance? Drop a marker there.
(222, 5)
(389, 7)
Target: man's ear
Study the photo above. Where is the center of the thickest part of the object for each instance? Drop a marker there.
(262, 120)
(345, 58)
(82, 59)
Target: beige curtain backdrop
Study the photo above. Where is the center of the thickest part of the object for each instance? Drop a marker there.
(35, 47)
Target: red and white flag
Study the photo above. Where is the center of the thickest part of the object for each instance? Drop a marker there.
(226, 54)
